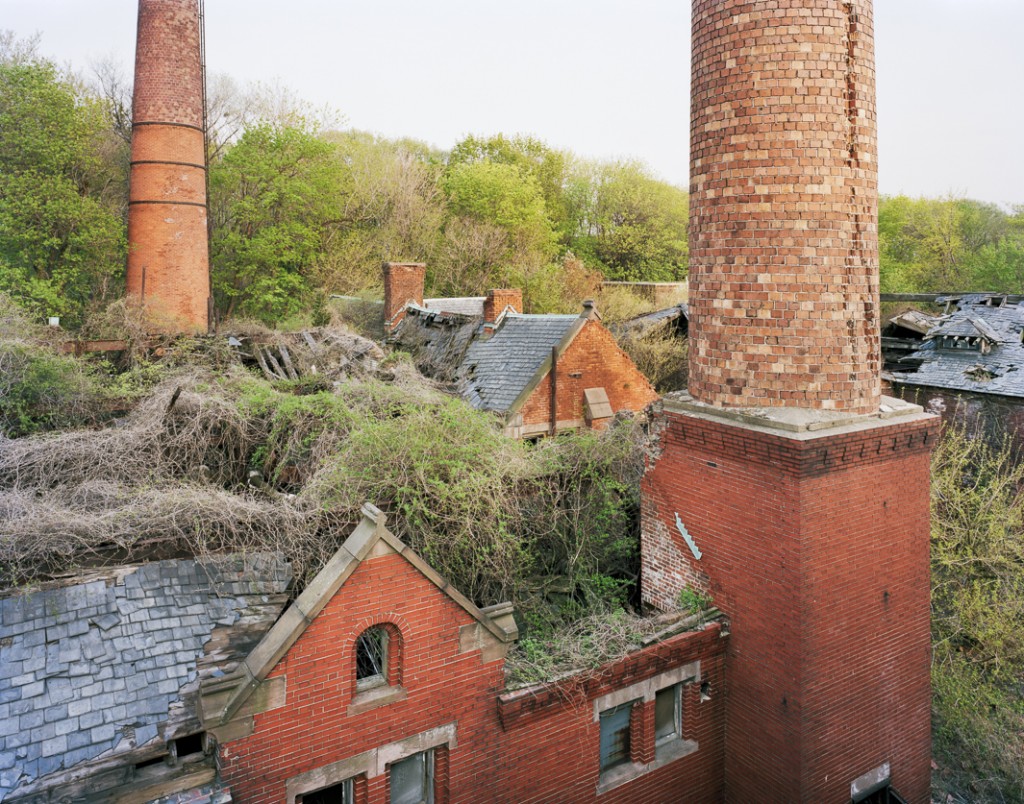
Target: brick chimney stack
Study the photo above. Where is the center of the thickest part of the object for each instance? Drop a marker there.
(786, 488)
(168, 258)
(783, 205)
(403, 283)
(498, 300)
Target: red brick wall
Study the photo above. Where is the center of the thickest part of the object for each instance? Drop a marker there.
(497, 300)
(403, 282)
(313, 729)
(783, 205)
(539, 747)
(599, 362)
(168, 258)
(550, 750)
(818, 551)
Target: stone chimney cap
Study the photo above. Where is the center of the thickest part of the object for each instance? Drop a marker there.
(590, 311)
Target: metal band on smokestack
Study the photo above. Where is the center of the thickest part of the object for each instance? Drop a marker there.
(167, 216)
(783, 205)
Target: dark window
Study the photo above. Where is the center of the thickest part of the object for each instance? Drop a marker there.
(335, 794)
(668, 714)
(372, 658)
(615, 736)
(412, 780)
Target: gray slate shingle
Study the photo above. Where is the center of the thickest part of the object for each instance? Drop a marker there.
(85, 665)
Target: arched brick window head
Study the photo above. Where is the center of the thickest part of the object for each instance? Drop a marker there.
(372, 648)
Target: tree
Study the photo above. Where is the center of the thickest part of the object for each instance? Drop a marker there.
(497, 233)
(636, 224)
(275, 196)
(62, 239)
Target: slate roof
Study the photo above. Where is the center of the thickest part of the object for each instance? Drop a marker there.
(999, 372)
(468, 305)
(495, 371)
(96, 667)
(643, 323)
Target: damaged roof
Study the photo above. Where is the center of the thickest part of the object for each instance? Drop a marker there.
(496, 371)
(100, 668)
(952, 355)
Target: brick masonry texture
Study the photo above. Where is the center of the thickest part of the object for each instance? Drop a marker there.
(403, 282)
(592, 360)
(168, 258)
(497, 300)
(539, 745)
(818, 551)
(783, 205)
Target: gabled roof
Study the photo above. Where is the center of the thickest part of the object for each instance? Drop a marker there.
(498, 373)
(368, 536)
(998, 369)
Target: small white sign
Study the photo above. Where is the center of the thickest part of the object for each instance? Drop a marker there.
(688, 538)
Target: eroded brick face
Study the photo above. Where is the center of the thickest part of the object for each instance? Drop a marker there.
(403, 283)
(818, 552)
(168, 258)
(783, 205)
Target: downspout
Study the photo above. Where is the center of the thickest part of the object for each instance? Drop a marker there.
(554, 390)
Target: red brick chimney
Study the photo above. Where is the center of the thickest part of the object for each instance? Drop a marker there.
(403, 283)
(499, 300)
(168, 258)
(786, 488)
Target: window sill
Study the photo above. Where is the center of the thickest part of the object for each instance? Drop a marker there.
(668, 752)
(378, 696)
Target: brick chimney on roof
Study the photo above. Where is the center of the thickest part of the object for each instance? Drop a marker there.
(403, 283)
(168, 257)
(500, 299)
(783, 205)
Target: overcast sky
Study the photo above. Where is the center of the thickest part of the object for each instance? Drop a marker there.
(604, 78)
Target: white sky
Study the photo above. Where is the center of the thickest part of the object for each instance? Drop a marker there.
(604, 78)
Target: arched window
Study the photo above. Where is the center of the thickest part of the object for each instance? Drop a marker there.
(372, 657)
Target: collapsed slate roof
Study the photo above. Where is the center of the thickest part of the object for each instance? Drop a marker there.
(491, 371)
(495, 372)
(98, 670)
(677, 316)
(977, 348)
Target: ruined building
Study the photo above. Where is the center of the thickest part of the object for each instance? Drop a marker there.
(168, 257)
(541, 374)
(784, 486)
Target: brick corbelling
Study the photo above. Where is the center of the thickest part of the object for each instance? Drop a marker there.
(820, 455)
(783, 227)
(168, 66)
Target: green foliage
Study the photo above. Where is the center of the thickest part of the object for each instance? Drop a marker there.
(274, 196)
(978, 613)
(949, 244)
(693, 601)
(62, 244)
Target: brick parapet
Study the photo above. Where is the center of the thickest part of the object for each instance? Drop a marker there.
(783, 226)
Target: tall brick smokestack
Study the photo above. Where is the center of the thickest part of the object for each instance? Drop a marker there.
(168, 259)
(784, 197)
(786, 488)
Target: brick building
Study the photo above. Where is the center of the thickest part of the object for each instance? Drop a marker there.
(542, 374)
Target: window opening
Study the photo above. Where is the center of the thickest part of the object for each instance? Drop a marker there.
(335, 794)
(668, 714)
(372, 658)
(615, 742)
(412, 779)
